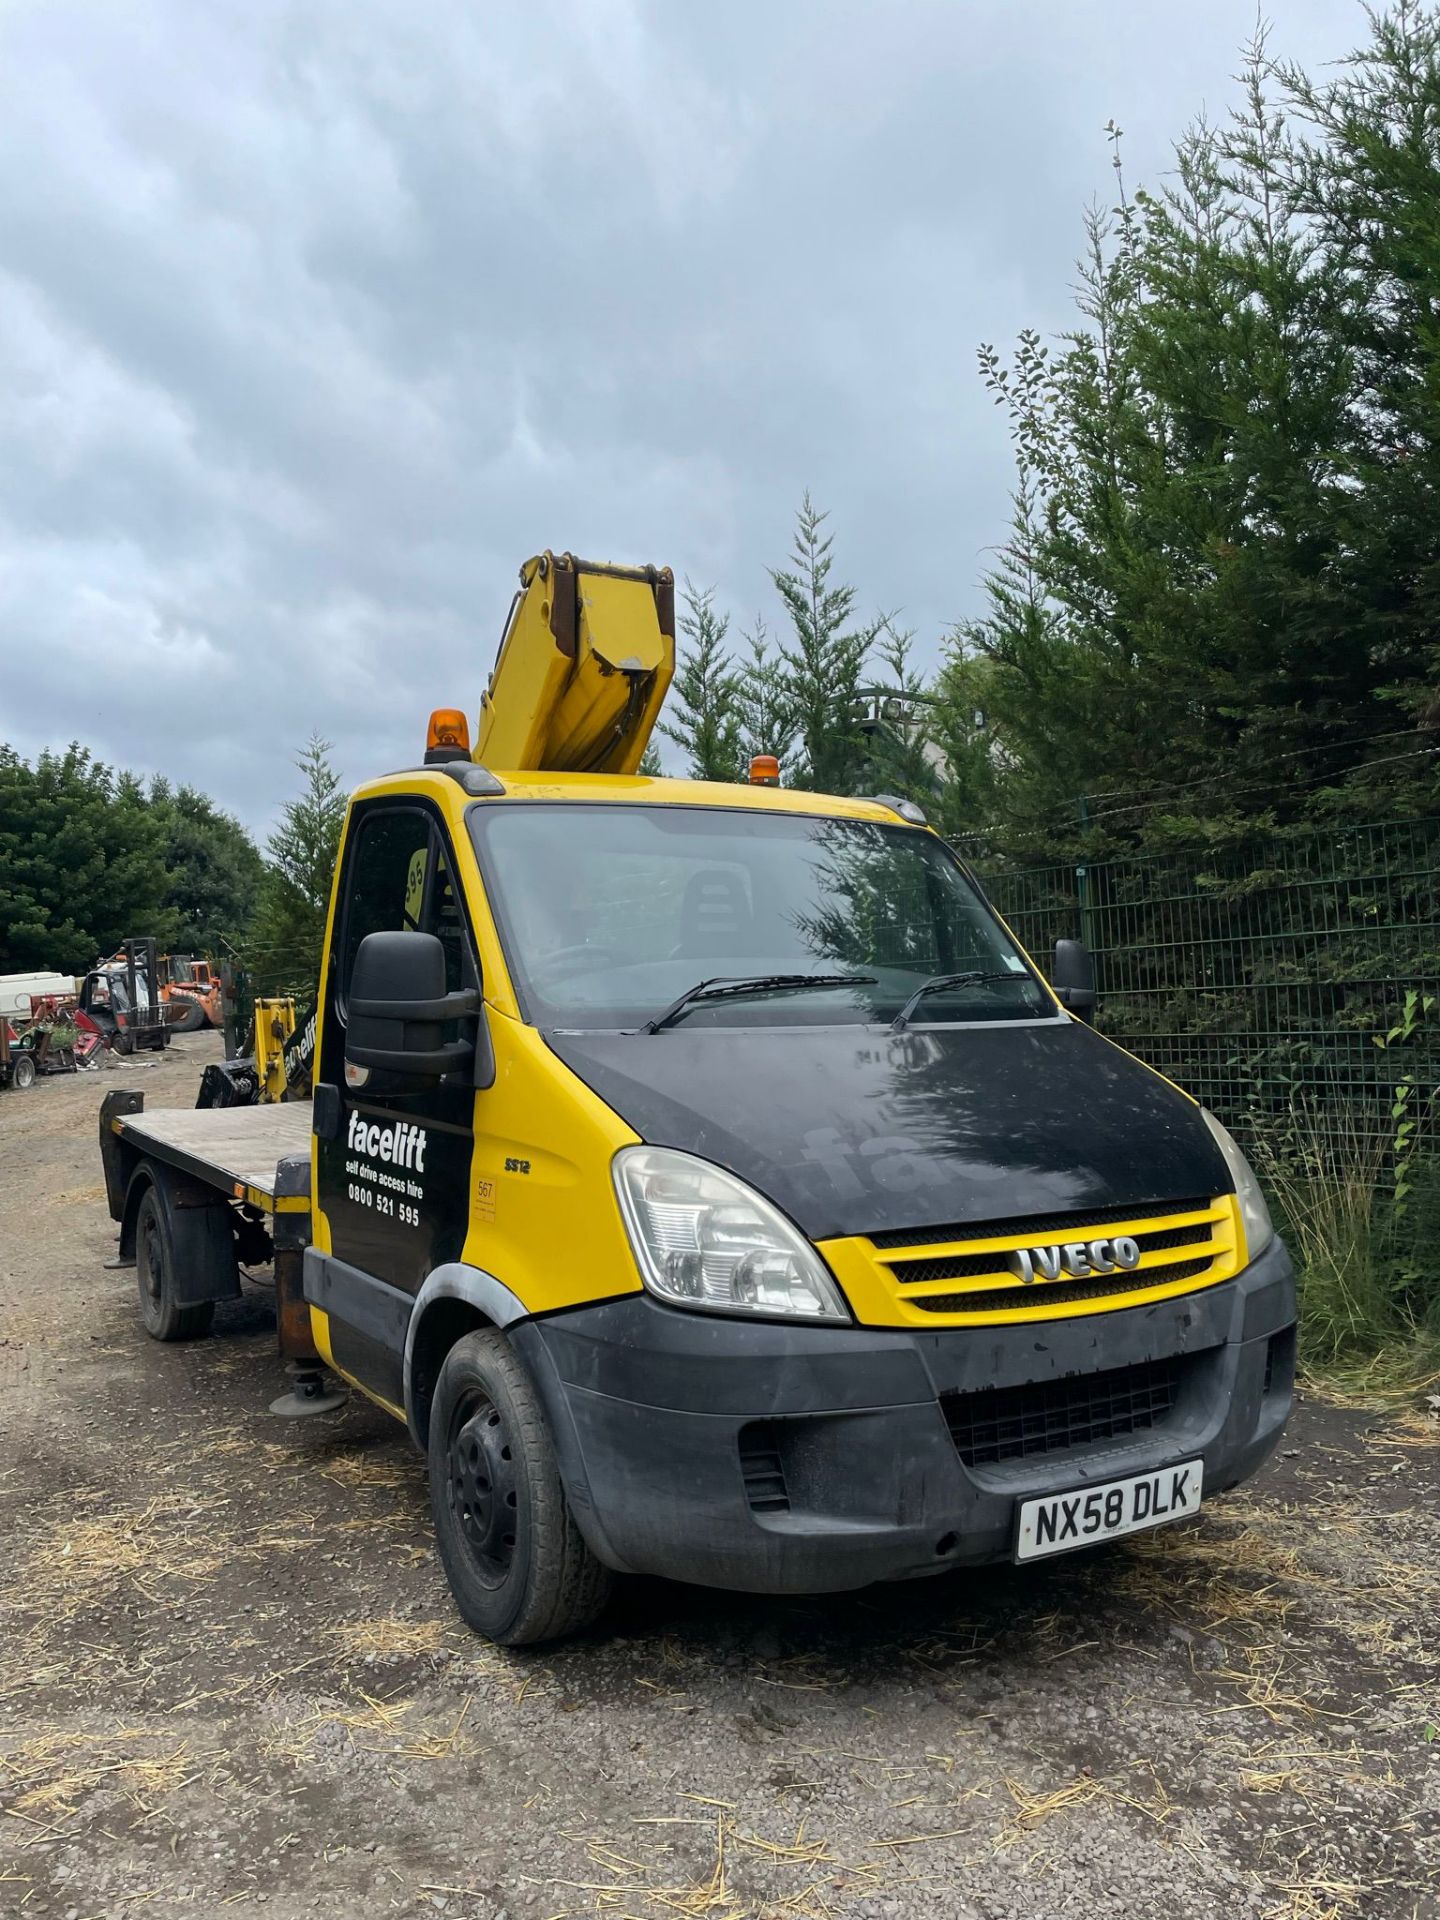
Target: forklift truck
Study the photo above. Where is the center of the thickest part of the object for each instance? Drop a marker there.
(122, 997)
(708, 1178)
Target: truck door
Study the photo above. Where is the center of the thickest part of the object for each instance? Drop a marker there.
(394, 1180)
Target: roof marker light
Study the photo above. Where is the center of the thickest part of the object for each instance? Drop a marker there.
(764, 770)
(907, 809)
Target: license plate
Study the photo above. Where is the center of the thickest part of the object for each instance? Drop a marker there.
(1059, 1522)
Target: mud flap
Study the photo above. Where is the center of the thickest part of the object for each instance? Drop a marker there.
(202, 1238)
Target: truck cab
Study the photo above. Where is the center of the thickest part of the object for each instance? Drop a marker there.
(716, 1189)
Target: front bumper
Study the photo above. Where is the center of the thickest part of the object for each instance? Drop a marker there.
(793, 1459)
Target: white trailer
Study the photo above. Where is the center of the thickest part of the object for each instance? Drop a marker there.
(18, 989)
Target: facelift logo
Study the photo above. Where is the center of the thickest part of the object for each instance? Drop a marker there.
(1076, 1259)
(401, 1145)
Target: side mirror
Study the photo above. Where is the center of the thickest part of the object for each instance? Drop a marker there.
(397, 1009)
(1073, 977)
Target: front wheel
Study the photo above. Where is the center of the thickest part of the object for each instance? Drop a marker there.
(517, 1564)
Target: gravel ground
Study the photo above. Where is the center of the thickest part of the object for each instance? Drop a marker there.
(230, 1676)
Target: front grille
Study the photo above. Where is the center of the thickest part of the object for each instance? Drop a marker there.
(1056, 1416)
(1040, 1227)
(918, 1278)
(1056, 1292)
(899, 1277)
(965, 1266)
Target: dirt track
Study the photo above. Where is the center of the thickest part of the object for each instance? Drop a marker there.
(230, 1677)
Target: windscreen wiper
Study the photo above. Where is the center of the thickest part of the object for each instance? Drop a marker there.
(726, 987)
(941, 983)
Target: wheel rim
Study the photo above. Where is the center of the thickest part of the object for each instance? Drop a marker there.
(150, 1264)
(483, 1486)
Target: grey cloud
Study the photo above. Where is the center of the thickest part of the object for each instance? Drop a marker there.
(318, 318)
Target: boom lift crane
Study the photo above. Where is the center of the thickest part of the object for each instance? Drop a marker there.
(585, 661)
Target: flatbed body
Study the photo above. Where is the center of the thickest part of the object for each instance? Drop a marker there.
(237, 1182)
(237, 1150)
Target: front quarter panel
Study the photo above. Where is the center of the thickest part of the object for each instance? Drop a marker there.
(543, 1214)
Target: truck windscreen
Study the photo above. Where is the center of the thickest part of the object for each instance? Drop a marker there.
(609, 913)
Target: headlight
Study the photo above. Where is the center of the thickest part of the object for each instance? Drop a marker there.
(704, 1239)
(1259, 1227)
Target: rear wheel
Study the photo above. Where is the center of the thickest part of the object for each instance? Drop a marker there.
(517, 1564)
(22, 1072)
(164, 1317)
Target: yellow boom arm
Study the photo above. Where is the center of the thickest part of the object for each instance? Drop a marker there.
(585, 661)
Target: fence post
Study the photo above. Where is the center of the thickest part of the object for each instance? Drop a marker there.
(1082, 880)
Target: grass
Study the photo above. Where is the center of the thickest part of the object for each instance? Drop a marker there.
(1369, 1312)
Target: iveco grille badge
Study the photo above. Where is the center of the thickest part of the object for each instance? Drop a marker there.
(1076, 1259)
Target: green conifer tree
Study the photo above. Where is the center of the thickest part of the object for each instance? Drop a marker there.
(702, 713)
(284, 949)
(825, 660)
(765, 710)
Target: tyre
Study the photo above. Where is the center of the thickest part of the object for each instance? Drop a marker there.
(517, 1564)
(123, 1040)
(22, 1072)
(164, 1317)
(190, 1018)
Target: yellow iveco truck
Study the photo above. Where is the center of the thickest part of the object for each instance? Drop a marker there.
(710, 1181)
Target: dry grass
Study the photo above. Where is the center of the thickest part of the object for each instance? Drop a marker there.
(1317, 1775)
(385, 1470)
(1382, 1385)
(1320, 1898)
(1245, 1572)
(389, 1727)
(82, 1556)
(1035, 1807)
(44, 1776)
(642, 1883)
(390, 1638)
(95, 1547)
(93, 1553)
(1412, 1426)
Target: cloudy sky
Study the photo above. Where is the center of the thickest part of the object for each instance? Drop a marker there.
(316, 318)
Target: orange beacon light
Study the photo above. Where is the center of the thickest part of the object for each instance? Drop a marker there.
(448, 737)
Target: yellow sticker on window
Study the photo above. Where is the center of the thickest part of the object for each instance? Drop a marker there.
(415, 886)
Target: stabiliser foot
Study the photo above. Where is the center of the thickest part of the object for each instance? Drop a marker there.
(311, 1391)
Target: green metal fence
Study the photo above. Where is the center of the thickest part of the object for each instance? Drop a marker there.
(1258, 974)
